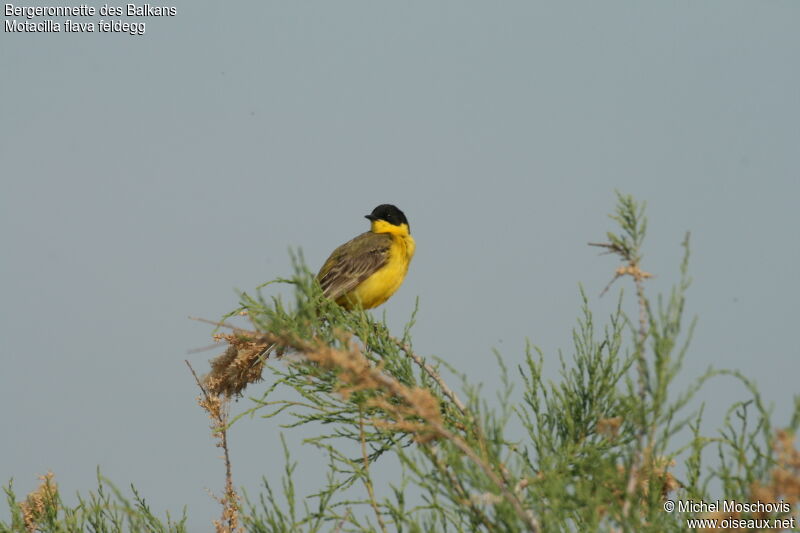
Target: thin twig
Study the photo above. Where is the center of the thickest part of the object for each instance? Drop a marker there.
(362, 371)
(196, 378)
(638, 458)
(447, 391)
(610, 283)
(341, 522)
(642, 311)
(398, 390)
(458, 442)
(367, 480)
(213, 322)
(458, 486)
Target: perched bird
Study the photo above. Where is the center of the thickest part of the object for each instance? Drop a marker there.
(368, 269)
(364, 271)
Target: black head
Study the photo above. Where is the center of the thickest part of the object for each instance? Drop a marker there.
(390, 214)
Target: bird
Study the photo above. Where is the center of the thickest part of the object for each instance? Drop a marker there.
(367, 270)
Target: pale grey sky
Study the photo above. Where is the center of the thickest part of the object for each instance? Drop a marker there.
(146, 178)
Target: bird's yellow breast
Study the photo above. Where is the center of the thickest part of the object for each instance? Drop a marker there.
(380, 286)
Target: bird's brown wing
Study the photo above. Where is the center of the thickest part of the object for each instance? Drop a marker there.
(353, 262)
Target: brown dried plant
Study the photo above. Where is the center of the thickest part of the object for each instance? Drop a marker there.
(785, 476)
(393, 405)
(609, 427)
(783, 484)
(242, 363)
(413, 410)
(653, 473)
(217, 406)
(408, 409)
(37, 503)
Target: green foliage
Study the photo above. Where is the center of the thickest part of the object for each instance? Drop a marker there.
(601, 447)
(105, 510)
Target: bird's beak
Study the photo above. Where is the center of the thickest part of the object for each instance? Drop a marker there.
(372, 218)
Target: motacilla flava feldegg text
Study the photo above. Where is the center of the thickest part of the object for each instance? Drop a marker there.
(368, 269)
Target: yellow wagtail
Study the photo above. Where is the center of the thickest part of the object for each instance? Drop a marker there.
(368, 269)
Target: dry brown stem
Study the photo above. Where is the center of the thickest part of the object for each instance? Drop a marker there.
(216, 405)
